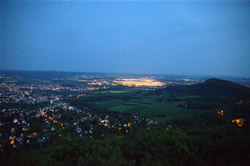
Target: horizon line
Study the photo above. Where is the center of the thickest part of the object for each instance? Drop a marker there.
(122, 73)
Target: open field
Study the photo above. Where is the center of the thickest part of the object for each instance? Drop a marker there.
(112, 91)
(156, 107)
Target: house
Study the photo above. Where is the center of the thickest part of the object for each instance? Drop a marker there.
(52, 129)
(19, 140)
(78, 130)
(40, 140)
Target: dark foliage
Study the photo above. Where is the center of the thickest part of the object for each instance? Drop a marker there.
(212, 87)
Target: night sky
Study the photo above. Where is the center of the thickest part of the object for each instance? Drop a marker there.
(171, 37)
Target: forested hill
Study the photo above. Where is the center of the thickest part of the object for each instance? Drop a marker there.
(212, 87)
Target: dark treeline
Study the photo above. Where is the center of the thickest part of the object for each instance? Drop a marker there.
(211, 146)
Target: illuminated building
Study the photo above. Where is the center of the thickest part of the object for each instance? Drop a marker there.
(139, 82)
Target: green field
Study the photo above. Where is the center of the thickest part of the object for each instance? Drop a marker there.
(114, 91)
(157, 107)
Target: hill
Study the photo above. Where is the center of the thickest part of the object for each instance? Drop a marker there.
(212, 87)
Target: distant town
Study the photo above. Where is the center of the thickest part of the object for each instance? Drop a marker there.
(39, 111)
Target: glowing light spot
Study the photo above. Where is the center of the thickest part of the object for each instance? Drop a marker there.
(239, 122)
(220, 113)
(139, 82)
(12, 142)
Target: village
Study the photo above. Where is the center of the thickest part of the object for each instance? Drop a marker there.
(31, 119)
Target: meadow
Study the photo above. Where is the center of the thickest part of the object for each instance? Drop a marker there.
(164, 107)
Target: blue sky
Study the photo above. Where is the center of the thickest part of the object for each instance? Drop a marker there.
(163, 37)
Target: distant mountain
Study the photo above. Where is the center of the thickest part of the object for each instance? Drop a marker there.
(212, 87)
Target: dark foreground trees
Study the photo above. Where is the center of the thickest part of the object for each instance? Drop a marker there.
(213, 146)
(161, 147)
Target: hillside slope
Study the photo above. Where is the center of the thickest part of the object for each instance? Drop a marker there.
(212, 87)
